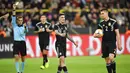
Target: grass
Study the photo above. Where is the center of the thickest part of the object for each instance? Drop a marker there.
(81, 64)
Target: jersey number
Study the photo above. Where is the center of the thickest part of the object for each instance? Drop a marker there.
(106, 28)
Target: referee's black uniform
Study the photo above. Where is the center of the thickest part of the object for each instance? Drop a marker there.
(60, 44)
(109, 37)
(43, 36)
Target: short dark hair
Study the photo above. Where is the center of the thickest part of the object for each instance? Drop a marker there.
(44, 15)
(103, 10)
(19, 17)
(61, 14)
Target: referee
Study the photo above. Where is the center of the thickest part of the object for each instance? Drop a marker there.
(110, 36)
(19, 30)
(61, 35)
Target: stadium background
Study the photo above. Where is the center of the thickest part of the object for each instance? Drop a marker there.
(82, 17)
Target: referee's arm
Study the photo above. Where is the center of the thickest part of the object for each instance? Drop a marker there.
(14, 15)
(14, 10)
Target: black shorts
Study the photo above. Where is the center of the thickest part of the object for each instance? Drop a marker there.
(19, 47)
(44, 45)
(107, 48)
(61, 50)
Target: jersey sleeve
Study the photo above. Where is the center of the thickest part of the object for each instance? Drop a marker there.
(14, 21)
(116, 26)
(51, 26)
(99, 26)
(36, 28)
(55, 27)
(66, 28)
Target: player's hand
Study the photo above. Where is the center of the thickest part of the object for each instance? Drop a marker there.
(63, 35)
(119, 48)
(76, 45)
(24, 24)
(47, 30)
(14, 6)
(40, 30)
(97, 35)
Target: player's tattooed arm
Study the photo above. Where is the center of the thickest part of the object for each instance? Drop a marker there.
(71, 40)
(60, 34)
(118, 39)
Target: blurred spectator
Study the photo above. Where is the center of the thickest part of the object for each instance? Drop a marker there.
(127, 30)
(55, 18)
(78, 21)
(89, 10)
(2, 32)
(28, 22)
(62, 3)
(120, 18)
(8, 30)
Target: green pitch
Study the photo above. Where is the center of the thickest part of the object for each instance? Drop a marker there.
(82, 64)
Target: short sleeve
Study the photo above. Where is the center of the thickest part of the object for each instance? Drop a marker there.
(116, 26)
(55, 27)
(66, 28)
(36, 28)
(99, 26)
(50, 27)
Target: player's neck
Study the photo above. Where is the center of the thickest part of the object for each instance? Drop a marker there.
(61, 23)
(106, 19)
(43, 22)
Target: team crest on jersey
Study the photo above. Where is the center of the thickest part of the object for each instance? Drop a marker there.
(109, 24)
(40, 26)
(45, 26)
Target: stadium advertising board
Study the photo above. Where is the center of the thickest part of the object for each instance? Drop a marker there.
(88, 45)
(6, 48)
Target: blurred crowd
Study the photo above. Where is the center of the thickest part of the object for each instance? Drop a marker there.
(79, 13)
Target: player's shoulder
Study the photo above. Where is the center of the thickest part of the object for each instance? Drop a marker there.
(111, 19)
(38, 23)
(57, 24)
(48, 23)
(101, 22)
(66, 25)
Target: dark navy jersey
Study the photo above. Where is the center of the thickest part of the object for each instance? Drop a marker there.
(61, 28)
(44, 35)
(108, 27)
